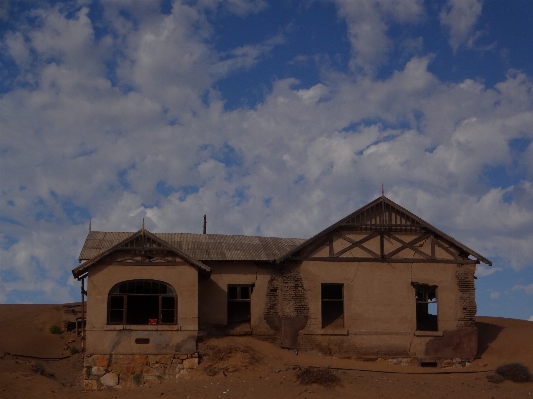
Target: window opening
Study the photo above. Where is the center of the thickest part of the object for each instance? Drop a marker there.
(426, 307)
(142, 302)
(332, 297)
(239, 311)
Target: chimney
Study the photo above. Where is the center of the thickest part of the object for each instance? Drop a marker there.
(205, 224)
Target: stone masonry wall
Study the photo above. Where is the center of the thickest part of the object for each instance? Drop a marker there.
(112, 371)
(467, 289)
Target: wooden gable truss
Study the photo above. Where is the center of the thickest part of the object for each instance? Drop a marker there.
(142, 248)
(382, 231)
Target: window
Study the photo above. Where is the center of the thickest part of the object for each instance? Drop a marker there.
(332, 306)
(141, 302)
(426, 307)
(239, 304)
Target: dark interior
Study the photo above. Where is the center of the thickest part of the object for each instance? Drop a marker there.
(141, 308)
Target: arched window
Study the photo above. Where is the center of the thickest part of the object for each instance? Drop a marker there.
(141, 302)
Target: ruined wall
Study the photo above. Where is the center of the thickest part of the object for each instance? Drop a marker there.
(123, 339)
(467, 297)
(379, 306)
(294, 305)
(380, 309)
(116, 371)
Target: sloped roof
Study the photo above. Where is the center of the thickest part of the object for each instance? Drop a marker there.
(195, 248)
(118, 243)
(375, 215)
(200, 246)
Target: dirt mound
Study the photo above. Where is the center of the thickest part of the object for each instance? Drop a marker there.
(504, 340)
(248, 368)
(228, 358)
(26, 330)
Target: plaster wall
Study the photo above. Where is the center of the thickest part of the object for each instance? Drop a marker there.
(120, 339)
(213, 302)
(380, 310)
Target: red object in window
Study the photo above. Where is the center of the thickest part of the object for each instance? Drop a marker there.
(152, 321)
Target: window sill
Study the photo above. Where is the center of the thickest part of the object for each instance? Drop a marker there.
(325, 332)
(148, 327)
(429, 333)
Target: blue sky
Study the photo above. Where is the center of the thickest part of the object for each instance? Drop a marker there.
(273, 118)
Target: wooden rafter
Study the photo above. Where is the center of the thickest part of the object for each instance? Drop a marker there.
(446, 249)
(308, 251)
(131, 243)
(384, 216)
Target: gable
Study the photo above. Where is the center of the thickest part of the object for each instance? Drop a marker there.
(383, 231)
(138, 248)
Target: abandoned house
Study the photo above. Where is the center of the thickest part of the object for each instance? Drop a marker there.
(379, 282)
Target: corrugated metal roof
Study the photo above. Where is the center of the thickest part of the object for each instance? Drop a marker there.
(201, 246)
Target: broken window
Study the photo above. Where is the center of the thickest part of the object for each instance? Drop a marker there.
(141, 302)
(332, 306)
(239, 304)
(426, 307)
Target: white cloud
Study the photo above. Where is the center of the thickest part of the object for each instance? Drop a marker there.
(290, 166)
(367, 27)
(313, 94)
(495, 295)
(483, 271)
(239, 7)
(460, 18)
(531, 318)
(528, 289)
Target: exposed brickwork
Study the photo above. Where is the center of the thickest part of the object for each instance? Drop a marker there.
(112, 371)
(294, 298)
(467, 289)
(272, 305)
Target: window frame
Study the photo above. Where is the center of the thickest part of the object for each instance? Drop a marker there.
(123, 290)
(239, 299)
(323, 300)
(428, 291)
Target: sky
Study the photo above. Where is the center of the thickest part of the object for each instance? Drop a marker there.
(273, 118)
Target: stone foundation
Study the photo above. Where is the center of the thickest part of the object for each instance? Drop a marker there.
(115, 371)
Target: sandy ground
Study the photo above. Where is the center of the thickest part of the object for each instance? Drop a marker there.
(243, 367)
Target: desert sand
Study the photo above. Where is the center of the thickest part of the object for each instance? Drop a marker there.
(37, 364)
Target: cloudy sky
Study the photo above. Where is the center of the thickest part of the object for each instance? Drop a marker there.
(274, 118)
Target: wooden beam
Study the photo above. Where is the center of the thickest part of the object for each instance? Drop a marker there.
(442, 246)
(393, 260)
(409, 245)
(149, 263)
(357, 244)
(314, 247)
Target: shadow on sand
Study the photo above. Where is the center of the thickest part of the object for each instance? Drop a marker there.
(487, 334)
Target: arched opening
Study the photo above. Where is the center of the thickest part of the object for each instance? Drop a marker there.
(141, 302)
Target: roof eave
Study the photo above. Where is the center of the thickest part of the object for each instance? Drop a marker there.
(81, 269)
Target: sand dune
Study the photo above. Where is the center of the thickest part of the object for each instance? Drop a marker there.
(247, 368)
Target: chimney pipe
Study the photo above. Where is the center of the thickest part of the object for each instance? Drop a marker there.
(205, 224)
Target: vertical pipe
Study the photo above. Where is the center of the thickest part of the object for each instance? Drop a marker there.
(83, 314)
(205, 224)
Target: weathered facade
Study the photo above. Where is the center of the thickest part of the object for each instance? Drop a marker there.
(380, 282)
